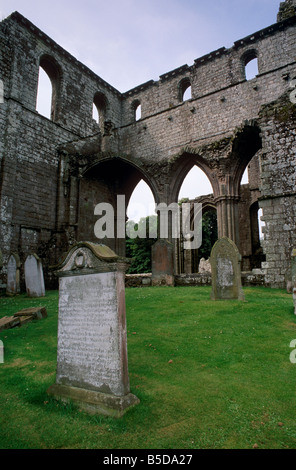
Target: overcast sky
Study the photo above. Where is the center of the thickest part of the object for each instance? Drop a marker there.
(128, 42)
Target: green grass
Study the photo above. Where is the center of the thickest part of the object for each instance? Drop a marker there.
(210, 375)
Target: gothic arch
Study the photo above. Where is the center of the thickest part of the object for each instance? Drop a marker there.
(246, 144)
(181, 168)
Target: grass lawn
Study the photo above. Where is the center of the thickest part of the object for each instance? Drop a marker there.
(210, 375)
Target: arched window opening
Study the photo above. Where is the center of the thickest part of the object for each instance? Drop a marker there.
(99, 108)
(195, 184)
(261, 224)
(137, 110)
(185, 90)
(141, 228)
(251, 69)
(256, 226)
(44, 94)
(95, 114)
(250, 64)
(49, 82)
(197, 187)
(245, 177)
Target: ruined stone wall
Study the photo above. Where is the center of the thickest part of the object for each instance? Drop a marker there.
(53, 170)
(30, 178)
(221, 97)
(278, 196)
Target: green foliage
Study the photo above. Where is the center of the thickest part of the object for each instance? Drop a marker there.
(209, 234)
(139, 249)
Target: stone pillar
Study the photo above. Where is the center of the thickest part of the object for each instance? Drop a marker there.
(92, 366)
(227, 217)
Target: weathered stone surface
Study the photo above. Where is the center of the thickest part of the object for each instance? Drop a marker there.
(34, 276)
(222, 128)
(226, 273)
(13, 275)
(9, 322)
(92, 343)
(204, 266)
(34, 312)
(23, 316)
(162, 263)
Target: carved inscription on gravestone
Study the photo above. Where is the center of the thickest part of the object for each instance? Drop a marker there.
(13, 274)
(92, 341)
(34, 276)
(88, 349)
(226, 273)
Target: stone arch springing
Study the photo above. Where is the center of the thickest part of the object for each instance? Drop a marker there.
(246, 144)
(52, 69)
(181, 168)
(103, 182)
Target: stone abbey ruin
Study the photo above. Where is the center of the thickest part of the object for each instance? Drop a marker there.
(55, 171)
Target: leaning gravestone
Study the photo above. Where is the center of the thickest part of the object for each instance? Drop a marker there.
(226, 272)
(92, 366)
(162, 263)
(13, 275)
(34, 276)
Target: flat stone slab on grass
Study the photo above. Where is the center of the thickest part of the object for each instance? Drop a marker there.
(9, 322)
(35, 312)
(23, 316)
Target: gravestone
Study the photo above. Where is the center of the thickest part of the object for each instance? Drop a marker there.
(204, 266)
(13, 275)
(34, 276)
(293, 275)
(162, 263)
(92, 365)
(226, 270)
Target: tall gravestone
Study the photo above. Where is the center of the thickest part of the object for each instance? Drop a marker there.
(13, 274)
(92, 365)
(293, 271)
(226, 271)
(34, 276)
(162, 263)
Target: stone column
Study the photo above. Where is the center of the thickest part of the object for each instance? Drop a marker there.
(227, 217)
